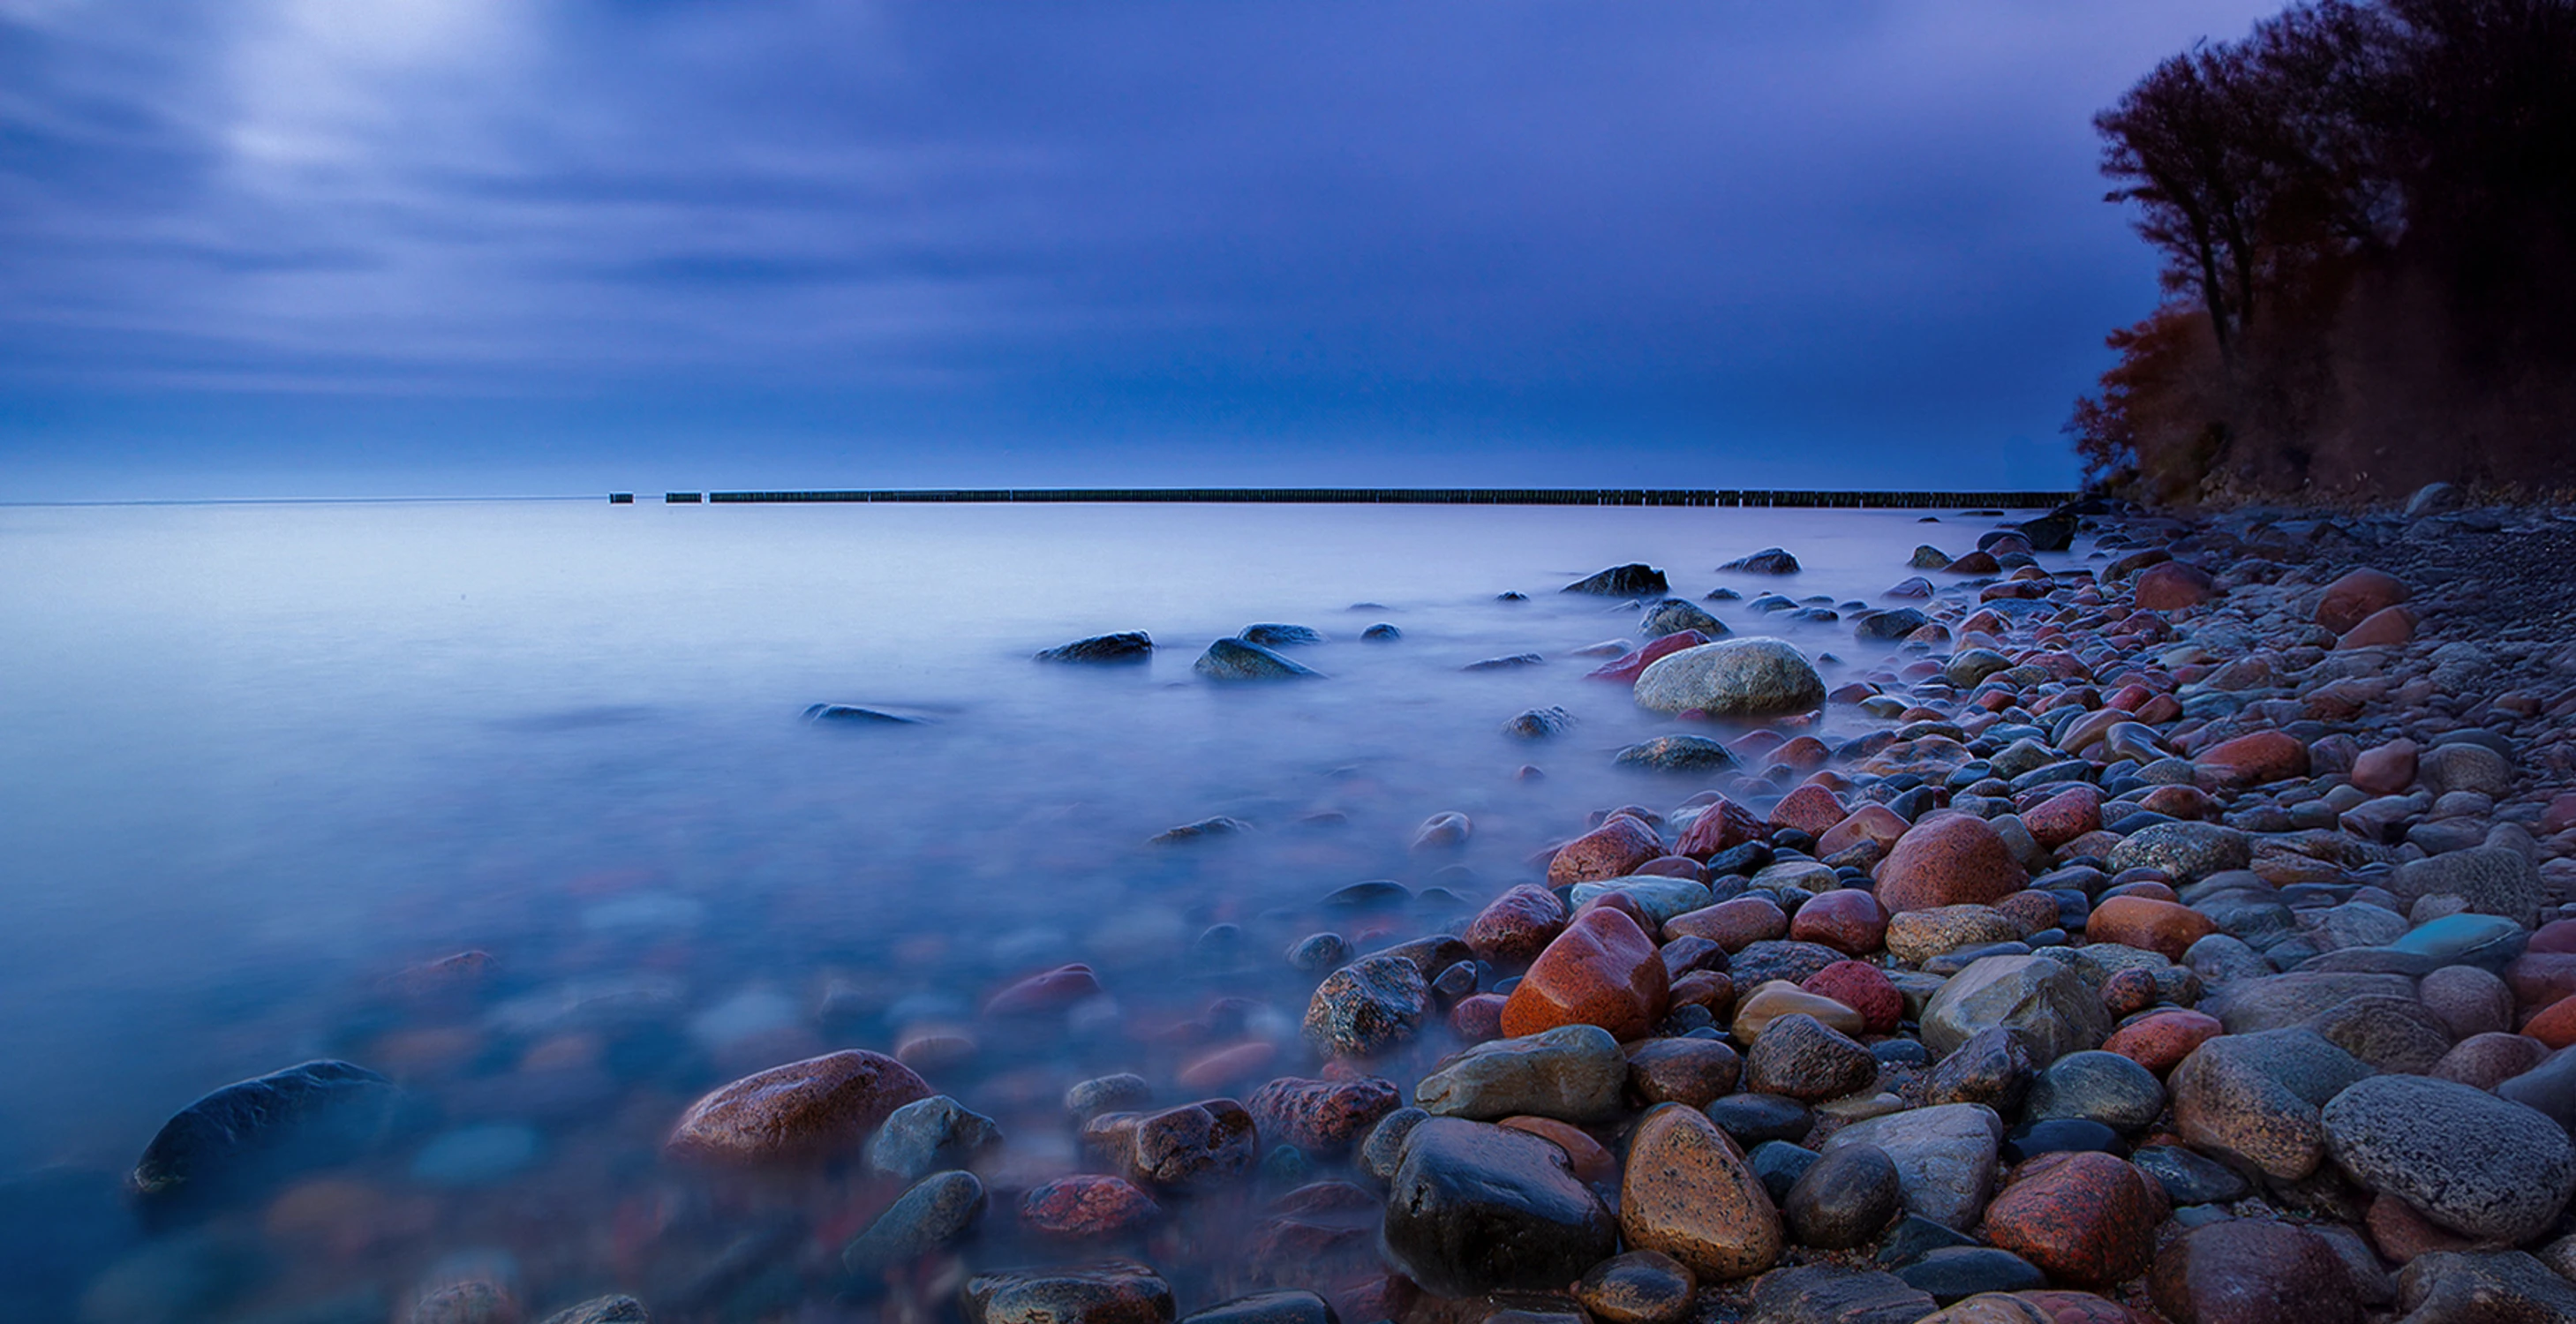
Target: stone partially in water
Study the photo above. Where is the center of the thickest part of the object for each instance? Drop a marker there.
(806, 1111)
(1574, 1073)
(1234, 659)
(1754, 677)
(936, 1211)
(311, 1115)
(924, 1136)
(1367, 1006)
(1324, 1116)
(1622, 581)
(1677, 754)
(1113, 1292)
(1479, 1208)
(1125, 646)
(1196, 1145)
(603, 1310)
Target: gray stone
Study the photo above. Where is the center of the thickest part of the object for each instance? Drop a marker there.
(1802, 1058)
(1235, 659)
(2474, 1163)
(2186, 851)
(2044, 1001)
(1267, 1308)
(1574, 1073)
(2257, 1096)
(2247, 1006)
(603, 1310)
(1845, 1198)
(2483, 1287)
(2097, 1087)
(2444, 769)
(1128, 646)
(1660, 898)
(937, 1210)
(1367, 1006)
(1944, 1156)
(1674, 615)
(2495, 880)
(1676, 754)
(1832, 1294)
(1752, 677)
(927, 1135)
(2386, 1033)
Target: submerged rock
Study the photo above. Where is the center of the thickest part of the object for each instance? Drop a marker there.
(239, 1137)
(805, 1111)
(1125, 646)
(1235, 659)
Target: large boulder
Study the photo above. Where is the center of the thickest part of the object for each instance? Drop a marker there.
(1751, 677)
(1478, 1208)
(2044, 1001)
(2469, 1161)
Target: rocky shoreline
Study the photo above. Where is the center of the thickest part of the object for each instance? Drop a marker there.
(2184, 935)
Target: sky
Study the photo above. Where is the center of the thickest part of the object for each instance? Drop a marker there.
(390, 247)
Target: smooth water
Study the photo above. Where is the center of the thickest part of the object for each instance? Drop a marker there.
(259, 758)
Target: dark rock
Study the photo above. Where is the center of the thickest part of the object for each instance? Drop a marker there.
(1622, 581)
(1267, 1308)
(1882, 626)
(1955, 1272)
(253, 1132)
(2099, 1087)
(2188, 1178)
(2061, 1135)
(1845, 1199)
(1539, 723)
(2248, 1271)
(1753, 1119)
(1272, 635)
(1802, 1058)
(1513, 662)
(1235, 659)
(1128, 646)
(1194, 1145)
(1382, 1151)
(1993, 1067)
(1367, 1006)
(603, 1310)
(1780, 1164)
(1677, 754)
(1088, 1204)
(1832, 1294)
(1322, 1115)
(850, 714)
(1768, 561)
(2483, 1287)
(1477, 1208)
(1124, 1092)
(1674, 615)
(1640, 1287)
(1381, 633)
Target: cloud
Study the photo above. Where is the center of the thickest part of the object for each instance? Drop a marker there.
(1696, 220)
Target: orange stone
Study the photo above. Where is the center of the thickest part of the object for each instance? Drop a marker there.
(2165, 927)
(1948, 859)
(1612, 850)
(2385, 769)
(1810, 809)
(806, 1111)
(1601, 971)
(2555, 1025)
(2172, 586)
(2160, 1040)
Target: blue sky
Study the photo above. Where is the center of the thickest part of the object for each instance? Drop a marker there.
(316, 247)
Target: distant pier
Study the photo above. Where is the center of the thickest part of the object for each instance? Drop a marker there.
(1785, 498)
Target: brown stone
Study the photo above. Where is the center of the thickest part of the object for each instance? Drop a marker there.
(817, 1109)
(1322, 1115)
(1756, 1010)
(1948, 859)
(1697, 1072)
(1201, 1144)
(2484, 1061)
(1847, 919)
(1876, 824)
(2256, 758)
(2163, 927)
(2354, 597)
(2250, 1271)
(2083, 1218)
(2172, 586)
(1517, 926)
(1713, 989)
(2063, 817)
(1601, 971)
(1088, 1205)
(1054, 990)
(1733, 925)
(1608, 851)
(2385, 769)
(2389, 627)
(1688, 1192)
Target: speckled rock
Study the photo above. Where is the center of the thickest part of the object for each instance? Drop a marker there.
(1640, 1287)
(2257, 1096)
(1948, 858)
(1688, 1192)
(1324, 1116)
(1367, 1006)
(1573, 1073)
(1944, 1156)
(2186, 852)
(2085, 1218)
(1517, 926)
(2466, 1159)
(1196, 1145)
(1112, 1292)
(1697, 1072)
(1088, 1205)
(1612, 850)
(1916, 936)
(1801, 1058)
(1601, 971)
(1749, 677)
(2042, 999)
(2249, 1271)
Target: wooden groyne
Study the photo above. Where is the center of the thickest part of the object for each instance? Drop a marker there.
(1786, 498)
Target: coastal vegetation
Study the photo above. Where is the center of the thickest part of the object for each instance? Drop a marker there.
(2367, 215)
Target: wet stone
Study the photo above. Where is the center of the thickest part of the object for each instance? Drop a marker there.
(2247, 1271)
(1754, 1119)
(603, 1310)
(2098, 1087)
(1477, 1208)
(2187, 1177)
(1640, 1287)
(1833, 1294)
(926, 1135)
(1289, 1307)
(1088, 1205)
(1367, 1006)
(1688, 1192)
(250, 1133)
(1194, 1145)
(1844, 1199)
(1572, 1073)
(1321, 1115)
(1114, 1292)
(1956, 1272)
(1696, 1072)
(801, 1112)
(1124, 1092)
(1992, 1067)
(1382, 1151)
(934, 1212)
(1801, 1058)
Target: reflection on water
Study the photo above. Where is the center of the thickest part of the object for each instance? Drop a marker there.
(263, 760)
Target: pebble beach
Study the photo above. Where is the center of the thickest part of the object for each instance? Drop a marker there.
(2122, 916)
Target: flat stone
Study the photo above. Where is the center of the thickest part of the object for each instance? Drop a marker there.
(1640, 1287)
(1833, 1294)
(1240, 660)
(798, 1113)
(1573, 1073)
(2483, 1287)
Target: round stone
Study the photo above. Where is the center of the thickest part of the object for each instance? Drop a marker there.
(1689, 1193)
(1750, 677)
(2472, 1162)
(1640, 1287)
(1844, 1199)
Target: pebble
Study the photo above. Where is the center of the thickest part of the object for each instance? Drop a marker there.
(934, 1212)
